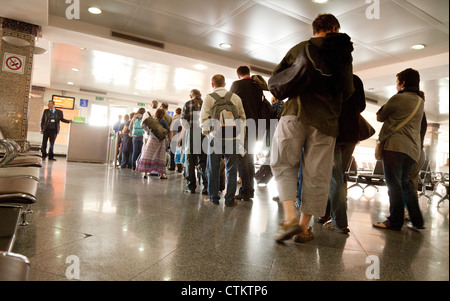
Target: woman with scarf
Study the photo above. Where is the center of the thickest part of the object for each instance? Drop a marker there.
(153, 157)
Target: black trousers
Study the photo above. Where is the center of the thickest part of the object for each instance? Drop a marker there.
(48, 134)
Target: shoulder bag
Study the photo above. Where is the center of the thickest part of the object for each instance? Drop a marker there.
(380, 143)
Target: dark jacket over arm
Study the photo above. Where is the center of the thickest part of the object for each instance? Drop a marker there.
(322, 108)
(351, 109)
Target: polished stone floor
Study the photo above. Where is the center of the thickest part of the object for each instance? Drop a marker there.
(111, 224)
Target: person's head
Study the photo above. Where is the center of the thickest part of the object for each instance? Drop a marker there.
(274, 99)
(120, 117)
(160, 113)
(178, 111)
(164, 106)
(140, 112)
(132, 115)
(218, 81)
(195, 93)
(154, 104)
(243, 71)
(126, 117)
(325, 23)
(51, 104)
(408, 78)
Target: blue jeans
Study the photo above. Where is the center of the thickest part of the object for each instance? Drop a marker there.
(137, 148)
(213, 171)
(397, 171)
(338, 184)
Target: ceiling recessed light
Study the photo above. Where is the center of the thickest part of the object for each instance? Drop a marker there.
(70, 83)
(200, 67)
(418, 46)
(320, 1)
(95, 10)
(75, 69)
(225, 45)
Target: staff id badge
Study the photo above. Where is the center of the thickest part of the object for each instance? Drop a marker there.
(52, 120)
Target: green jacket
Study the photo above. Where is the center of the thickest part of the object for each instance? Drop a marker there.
(407, 139)
(321, 109)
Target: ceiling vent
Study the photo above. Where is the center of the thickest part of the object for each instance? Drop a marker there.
(86, 90)
(127, 37)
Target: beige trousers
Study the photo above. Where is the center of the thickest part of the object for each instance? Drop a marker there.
(291, 136)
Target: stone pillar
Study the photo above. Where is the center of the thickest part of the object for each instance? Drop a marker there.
(430, 143)
(17, 40)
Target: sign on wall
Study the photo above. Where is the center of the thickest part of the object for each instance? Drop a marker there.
(84, 103)
(14, 63)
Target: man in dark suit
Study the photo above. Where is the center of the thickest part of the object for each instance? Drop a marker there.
(251, 95)
(50, 128)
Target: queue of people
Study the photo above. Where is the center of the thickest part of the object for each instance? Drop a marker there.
(311, 149)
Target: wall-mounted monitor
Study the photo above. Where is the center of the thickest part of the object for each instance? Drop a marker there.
(63, 102)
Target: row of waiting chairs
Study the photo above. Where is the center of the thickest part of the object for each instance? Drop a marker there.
(19, 179)
(428, 180)
(372, 179)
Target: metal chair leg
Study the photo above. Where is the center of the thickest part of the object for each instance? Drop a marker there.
(24, 219)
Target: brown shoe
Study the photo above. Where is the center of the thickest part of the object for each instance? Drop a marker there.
(304, 237)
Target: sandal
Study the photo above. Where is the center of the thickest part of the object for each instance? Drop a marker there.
(385, 225)
(304, 237)
(329, 226)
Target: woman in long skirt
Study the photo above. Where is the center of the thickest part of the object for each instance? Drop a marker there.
(153, 157)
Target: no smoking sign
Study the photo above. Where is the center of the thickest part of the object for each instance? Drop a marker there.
(13, 63)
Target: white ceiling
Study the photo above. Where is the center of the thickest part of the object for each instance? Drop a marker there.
(260, 31)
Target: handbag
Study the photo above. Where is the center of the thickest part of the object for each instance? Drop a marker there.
(365, 130)
(379, 147)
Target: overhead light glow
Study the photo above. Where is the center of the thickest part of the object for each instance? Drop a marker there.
(200, 67)
(320, 1)
(418, 46)
(70, 83)
(75, 69)
(95, 10)
(225, 45)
